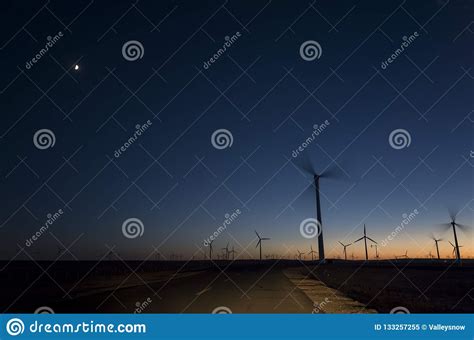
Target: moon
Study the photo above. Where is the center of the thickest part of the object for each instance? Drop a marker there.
(76, 67)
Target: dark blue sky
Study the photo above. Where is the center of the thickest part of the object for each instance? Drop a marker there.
(261, 90)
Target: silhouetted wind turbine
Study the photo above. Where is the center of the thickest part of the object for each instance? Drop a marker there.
(299, 254)
(454, 249)
(210, 250)
(233, 253)
(311, 253)
(453, 224)
(226, 249)
(436, 243)
(330, 173)
(402, 256)
(345, 251)
(376, 250)
(365, 238)
(259, 243)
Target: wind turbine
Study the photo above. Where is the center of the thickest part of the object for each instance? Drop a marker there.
(365, 238)
(402, 256)
(210, 250)
(226, 249)
(376, 250)
(454, 249)
(436, 242)
(299, 254)
(232, 252)
(453, 224)
(330, 173)
(345, 250)
(312, 252)
(259, 243)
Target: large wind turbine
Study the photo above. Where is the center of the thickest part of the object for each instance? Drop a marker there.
(299, 254)
(453, 224)
(259, 243)
(365, 238)
(330, 173)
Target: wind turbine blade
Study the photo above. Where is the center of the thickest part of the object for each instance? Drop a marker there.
(259, 241)
(371, 240)
(452, 213)
(342, 244)
(266, 238)
(332, 172)
(463, 227)
(257, 234)
(359, 239)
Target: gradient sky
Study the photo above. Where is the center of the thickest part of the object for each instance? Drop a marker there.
(181, 202)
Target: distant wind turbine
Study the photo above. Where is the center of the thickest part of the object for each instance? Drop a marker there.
(436, 243)
(259, 243)
(312, 252)
(365, 238)
(299, 254)
(210, 250)
(345, 250)
(405, 256)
